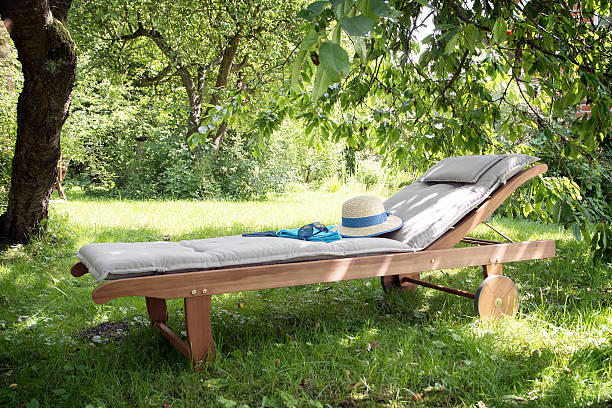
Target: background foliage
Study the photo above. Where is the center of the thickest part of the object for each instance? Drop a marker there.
(10, 83)
(340, 94)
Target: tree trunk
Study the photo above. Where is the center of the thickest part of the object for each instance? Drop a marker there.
(222, 77)
(48, 59)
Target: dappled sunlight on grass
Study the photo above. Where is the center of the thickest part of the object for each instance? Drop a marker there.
(154, 220)
(344, 344)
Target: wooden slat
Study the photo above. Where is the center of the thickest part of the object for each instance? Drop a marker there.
(185, 285)
(484, 211)
(173, 339)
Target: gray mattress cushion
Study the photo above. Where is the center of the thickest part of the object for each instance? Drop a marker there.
(431, 209)
(428, 210)
(459, 169)
(120, 260)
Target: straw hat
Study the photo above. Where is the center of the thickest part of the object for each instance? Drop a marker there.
(365, 216)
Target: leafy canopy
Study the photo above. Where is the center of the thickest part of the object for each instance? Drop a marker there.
(486, 74)
(488, 77)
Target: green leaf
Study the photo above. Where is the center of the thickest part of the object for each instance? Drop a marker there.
(313, 10)
(194, 140)
(342, 7)
(361, 48)
(585, 235)
(226, 403)
(297, 68)
(471, 36)
(321, 82)
(288, 399)
(334, 59)
(357, 26)
(310, 39)
(452, 42)
(576, 232)
(500, 31)
(382, 9)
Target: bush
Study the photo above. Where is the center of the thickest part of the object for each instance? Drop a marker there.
(11, 82)
(233, 172)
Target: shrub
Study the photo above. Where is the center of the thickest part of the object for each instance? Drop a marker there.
(233, 172)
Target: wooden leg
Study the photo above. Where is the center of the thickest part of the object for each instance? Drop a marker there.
(409, 286)
(492, 269)
(395, 282)
(199, 332)
(157, 310)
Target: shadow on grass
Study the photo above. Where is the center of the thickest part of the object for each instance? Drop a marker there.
(254, 329)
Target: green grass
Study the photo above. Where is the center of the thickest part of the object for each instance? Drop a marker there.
(344, 344)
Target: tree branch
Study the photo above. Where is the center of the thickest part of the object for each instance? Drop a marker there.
(203, 70)
(238, 67)
(148, 80)
(456, 73)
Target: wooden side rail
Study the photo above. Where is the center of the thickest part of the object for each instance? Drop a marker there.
(197, 287)
(206, 283)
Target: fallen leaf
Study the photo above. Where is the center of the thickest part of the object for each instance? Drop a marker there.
(13, 385)
(436, 388)
(481, 404)
(568, 370)
(372, 345)
(515, 398)
(351, 387)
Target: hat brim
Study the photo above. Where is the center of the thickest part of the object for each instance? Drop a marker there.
(393, 222)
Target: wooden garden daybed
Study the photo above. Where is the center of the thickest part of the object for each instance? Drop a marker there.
(495, 297)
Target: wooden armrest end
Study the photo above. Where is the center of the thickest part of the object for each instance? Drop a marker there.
(78, 269)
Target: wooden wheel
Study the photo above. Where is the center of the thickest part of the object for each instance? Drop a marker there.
(496, 297)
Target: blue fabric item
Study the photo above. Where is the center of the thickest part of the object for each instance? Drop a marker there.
(260, 234)
(361, 222)
(378, 234)
(319, 237)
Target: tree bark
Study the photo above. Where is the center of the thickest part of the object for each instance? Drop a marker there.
(222, 77)
(48, 59)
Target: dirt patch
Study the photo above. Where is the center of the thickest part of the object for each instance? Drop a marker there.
(105, 332)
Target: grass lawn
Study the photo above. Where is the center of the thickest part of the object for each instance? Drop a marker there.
(345, 344)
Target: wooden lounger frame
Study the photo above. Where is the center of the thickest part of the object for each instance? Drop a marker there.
(399, 269)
